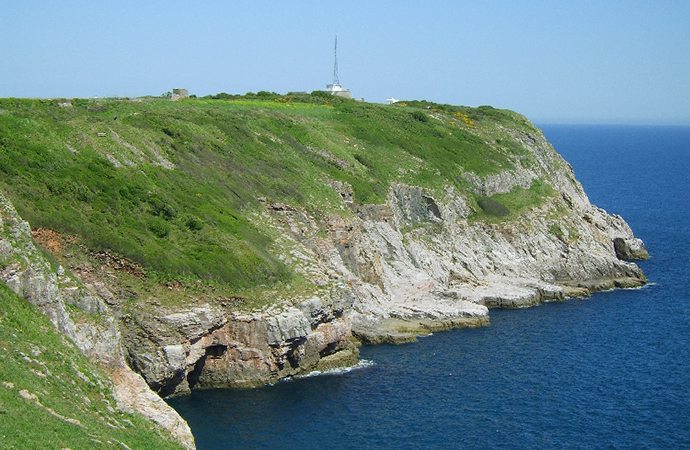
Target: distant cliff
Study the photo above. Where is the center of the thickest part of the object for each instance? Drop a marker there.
(233, 243)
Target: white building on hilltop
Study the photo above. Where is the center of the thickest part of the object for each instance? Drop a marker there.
(338, 90)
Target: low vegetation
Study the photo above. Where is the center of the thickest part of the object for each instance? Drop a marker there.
(173, 186)
(511, 204)
(52, 396)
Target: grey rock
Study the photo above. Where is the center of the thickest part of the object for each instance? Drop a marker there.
(176, 355)
(288, 325)
(27, 272)
(196, 322)
(630, 248)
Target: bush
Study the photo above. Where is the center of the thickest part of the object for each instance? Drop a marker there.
(193, 223)
(322, 94)
(159, 227)
(363, 161)
(492, 207)
(556, 230)
(420, 116)
(222, 96)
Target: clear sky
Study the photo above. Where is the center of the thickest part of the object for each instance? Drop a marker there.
(603, 61)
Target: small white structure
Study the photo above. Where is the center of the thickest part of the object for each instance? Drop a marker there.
(391, 100)
(336, 89)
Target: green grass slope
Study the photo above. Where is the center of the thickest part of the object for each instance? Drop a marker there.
(52, 396)
(172, 185)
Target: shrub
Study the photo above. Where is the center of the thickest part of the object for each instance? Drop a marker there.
(322, 94)
(363, 161)
(556, 230)
(159, 227)
(194, 223)
(222, 96)
(420, 116)
(492, 207)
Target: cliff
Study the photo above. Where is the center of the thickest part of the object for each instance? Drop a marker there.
(234, 243)
(86, 321)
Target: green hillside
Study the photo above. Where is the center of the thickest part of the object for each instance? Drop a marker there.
(174, 186)
(52, 396)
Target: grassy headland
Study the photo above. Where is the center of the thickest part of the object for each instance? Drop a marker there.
(172, 186)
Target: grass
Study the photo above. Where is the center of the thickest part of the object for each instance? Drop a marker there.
(177, 188)
(52, 396)
(508, 206)
(171, 185)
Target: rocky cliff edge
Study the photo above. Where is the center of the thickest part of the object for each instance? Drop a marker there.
(423, 261)
(82, 317)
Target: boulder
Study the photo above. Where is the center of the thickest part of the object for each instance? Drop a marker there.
(630, 248)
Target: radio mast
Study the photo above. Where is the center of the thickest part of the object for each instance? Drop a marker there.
(336, 81)
(336, 88)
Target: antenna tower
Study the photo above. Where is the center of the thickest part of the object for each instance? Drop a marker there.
(336, 81)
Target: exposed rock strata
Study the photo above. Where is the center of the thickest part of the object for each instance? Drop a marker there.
(206, 346)
(386, 273)
(90, 325)
(420, 262)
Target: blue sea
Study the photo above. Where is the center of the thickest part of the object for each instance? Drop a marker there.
(611, 371)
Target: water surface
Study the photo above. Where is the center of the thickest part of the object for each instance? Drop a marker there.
(611, 371)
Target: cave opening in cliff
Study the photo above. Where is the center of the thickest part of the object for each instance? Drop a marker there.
(216, 351)
(194, 376)
(330, 349)
(201, 371)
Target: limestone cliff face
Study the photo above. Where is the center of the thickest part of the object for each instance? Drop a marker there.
(81, 316)
(205, 346)
(384, 273)
(420, 262)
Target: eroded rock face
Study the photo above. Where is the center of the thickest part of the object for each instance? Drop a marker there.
(27, 272)
(385, 273)
(209, 347)
(420, 263)
(630, 248)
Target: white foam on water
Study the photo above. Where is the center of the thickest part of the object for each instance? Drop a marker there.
(340, 370)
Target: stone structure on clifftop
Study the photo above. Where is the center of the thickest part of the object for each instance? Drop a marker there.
(179, 94)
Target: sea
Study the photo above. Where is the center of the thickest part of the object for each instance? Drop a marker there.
(607, 372)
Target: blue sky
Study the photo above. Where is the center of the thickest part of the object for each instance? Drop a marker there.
(604, 61)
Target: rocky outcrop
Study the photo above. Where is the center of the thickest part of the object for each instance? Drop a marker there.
(82, 317)
(206, 346)
(420, 262)
(630, 248)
